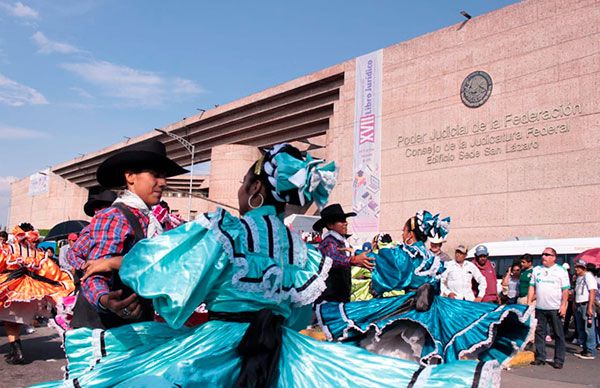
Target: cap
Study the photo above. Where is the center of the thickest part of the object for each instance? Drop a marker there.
(72, 237)
(580, 263)
(481, 250)
(462, 249)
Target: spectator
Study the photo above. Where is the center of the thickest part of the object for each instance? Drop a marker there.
(569, 315)
(596, 271)
(510, 283)
(50, 254)
(585, 295)
(549, 287)
(525, 278)
(62, 256)
(435, 247)
(457, 280)
(489, 273)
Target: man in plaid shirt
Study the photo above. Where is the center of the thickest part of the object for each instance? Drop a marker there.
(142, 169)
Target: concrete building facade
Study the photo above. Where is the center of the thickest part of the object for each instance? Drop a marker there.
(494, 122)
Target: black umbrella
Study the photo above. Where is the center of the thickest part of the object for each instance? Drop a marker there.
(61, 230)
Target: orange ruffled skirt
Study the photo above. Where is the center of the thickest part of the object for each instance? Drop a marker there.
(32, 279)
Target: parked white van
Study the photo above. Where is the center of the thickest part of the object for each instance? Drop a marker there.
(504, 253)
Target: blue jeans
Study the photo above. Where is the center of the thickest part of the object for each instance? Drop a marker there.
(587, 335)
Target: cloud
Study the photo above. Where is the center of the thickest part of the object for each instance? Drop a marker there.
(5, 182)
(20, 10)
(15, 94)
(81, 92)
(135, 87)
(15, 133)
(47, 46)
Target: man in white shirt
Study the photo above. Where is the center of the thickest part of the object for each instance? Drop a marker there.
(549, 287)
(585, 294)
(64, 250)
(457, 279)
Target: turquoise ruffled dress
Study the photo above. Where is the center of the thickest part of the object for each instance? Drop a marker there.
(450, 330)
(235, 265)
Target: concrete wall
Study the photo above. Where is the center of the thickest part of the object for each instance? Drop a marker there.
(63, 201)
(542, 56)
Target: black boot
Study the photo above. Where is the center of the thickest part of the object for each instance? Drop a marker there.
(17, 357)
(11, 352)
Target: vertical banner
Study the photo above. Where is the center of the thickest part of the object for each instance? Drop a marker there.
(39, 183)
(366, 183)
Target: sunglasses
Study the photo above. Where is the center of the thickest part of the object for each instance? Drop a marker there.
(547, 254)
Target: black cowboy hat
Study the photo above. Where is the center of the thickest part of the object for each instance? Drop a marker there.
(149, 154)
(102, 199)
(331, 213)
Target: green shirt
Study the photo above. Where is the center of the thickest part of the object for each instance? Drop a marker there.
(524, 282)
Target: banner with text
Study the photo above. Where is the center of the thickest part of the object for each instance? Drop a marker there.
(366, 183)
(39, 183)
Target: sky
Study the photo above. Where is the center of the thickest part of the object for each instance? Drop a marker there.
(79, 75)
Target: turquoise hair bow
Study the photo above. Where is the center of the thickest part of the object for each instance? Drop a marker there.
(432, 225)
(313, 180)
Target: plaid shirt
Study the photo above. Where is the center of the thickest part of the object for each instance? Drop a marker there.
(78, 253)
(330, 247)
(109, 235)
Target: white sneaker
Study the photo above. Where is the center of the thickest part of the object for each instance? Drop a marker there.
(30, 330)
(585, 356)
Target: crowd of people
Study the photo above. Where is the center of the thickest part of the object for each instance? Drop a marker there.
(221, 299)
(557, 295)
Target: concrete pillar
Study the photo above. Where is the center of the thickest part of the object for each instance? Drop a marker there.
(229, 163)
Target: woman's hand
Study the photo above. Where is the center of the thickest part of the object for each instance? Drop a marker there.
(101, 265)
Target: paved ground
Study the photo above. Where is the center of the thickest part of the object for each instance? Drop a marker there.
(45, 359)
(575, 373)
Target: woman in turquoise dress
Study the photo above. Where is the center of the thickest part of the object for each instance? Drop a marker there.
(422, 325)
(258, 281)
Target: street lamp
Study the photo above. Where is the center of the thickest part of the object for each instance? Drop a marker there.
(191, 149)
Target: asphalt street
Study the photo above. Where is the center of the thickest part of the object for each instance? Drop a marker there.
(45, 358)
